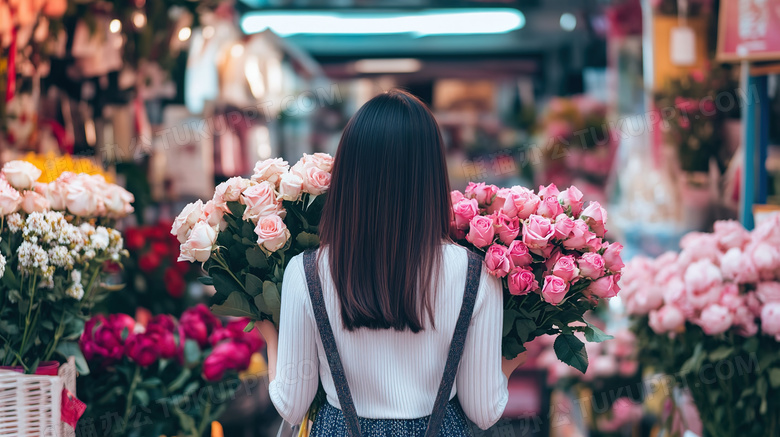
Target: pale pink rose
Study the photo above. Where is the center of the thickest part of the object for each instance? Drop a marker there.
(644, 300)
(117, 200)
(730, 264)
(748, 272)
(674, 291)
(260, 200)
(549, 207)
(497, 260)
(10, 199)
(591, 265)
(628, 368)
(290, 187)
(548, 191)
(525, 201)
(52, 193)
(768, 291)
(81, 200)
(701, 276)
(612, 259)
(579, 237)
(322, 161)
(481, 231)
(230, 191)
(271, 232)
(715, 319)
(521, 282)
(519, 255)
(316, 182)
(770, 320)
(507, 228)
(34, 202)
(270, 170)
(566, 268)
(753, 303)
(563, 226)
(768, 231)
(697, 246)
(668, 318)
(596, 217)
(571, 198)
(537, 232)
(463, 212)
(700, 298)
(456, 196)
(766, 259)
(605, 287)
(730, 234)
(730, 297)
(21, 174)
(554, 289)
(187, 218)
(745, 322)
(214, 215)
(481, 192)
(199, 243)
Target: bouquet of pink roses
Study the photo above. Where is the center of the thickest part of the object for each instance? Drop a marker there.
(548, 249)
(248, 232)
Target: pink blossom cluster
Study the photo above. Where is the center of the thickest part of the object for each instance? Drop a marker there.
(80, 194)
(273, 182)
(543, 242)
(720, 281)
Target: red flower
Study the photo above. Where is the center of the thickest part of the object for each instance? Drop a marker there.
(149, 262)
(174, 283)
(160, 248)
(102, 337)
(161, 329)
(198, 324)
(182, 267)
(142, 349)
(234, 331)
(157, 232)
(134, 239)
(227, 356)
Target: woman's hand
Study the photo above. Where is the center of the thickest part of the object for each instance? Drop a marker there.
(271, 337)
(509, 366)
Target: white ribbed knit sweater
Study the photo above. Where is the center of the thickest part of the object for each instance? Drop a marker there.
(391, 374)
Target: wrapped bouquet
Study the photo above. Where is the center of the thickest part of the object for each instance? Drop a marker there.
(550, 253)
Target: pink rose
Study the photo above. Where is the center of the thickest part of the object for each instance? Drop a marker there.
(519, 255)
(481, 192)
(314, 170)
(10, 199)
(730, 234)
(225, 357)
(497, 260)
(701, 276)
(187, 218)
(481, 231)
(508, 228)
(456, 196)
(745, 322)
(271, 232)
(322, 161)
(53, 192)
(316, 182)
(117, 200)
(548, 191)
(571, 198)
(563, 226)
(768, 231)
(198, 323)
(213, 215)
(715, 319)
(730, 263)
(525, 202)
(753, 303)
(770, 320)
(455, 233)
(230, 191)
(605, 287)
(290, 187)
(537, 232)
(270, 170)
(566, 268)
(730, 297)
(766, 259)
(199, 243)
(549, 207)
(464, 211)
(521, 282)
(21, 174)
(505, 202)
(768, 291)
(81, 198)
(612, 260)
(34, 202)
(551, 257)
(596, 217)
(260, 201)
(554, 289)
(667, 319)
(579, 236)
(591, 265)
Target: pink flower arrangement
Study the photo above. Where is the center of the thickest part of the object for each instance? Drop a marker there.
(548, 245)
(722, 281)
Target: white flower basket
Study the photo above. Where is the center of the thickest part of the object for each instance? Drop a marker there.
(30, 404)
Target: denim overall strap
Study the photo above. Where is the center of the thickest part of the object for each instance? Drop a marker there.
(457, 345)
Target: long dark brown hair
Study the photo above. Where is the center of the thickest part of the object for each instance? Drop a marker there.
(387, 214)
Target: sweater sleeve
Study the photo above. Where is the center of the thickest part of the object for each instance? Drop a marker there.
(482, 386)
(297, 365)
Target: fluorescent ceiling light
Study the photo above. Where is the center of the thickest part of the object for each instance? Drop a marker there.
(421, 23)
(388, 65)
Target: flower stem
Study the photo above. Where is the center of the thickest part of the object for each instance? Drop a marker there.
(27, 324)
(130, 394)
(222, 263)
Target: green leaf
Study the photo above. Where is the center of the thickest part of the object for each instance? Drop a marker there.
(510, 348)
(774, 377)
(693, 364)
(223, 282)
(273, 301)
(595, 335)
(142, 396)
(571, 351)
(249, 326)
(751, 345)
(509, 321)
(254, 285)
(191, 352)
(206, 280)
(181, 378)
(236, 209)
(71, 349)
(235, 305)
(721, 353)
(307, 240)
(256, 258)
(525, 327)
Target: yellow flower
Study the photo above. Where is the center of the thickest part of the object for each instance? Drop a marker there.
(53, 166)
